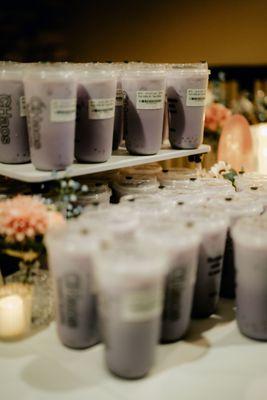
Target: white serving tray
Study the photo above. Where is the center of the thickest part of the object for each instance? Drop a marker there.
(119, 159)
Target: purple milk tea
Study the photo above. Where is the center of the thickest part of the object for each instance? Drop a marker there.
(95, 115)
(186, 94)
(51, 112)
(143, 110)
(181, 247)
(234, 206)
(118, 119)
(14, 145)
(72, 266)
(213, 228)
(250, 245)
(130, 304)
(179, 290)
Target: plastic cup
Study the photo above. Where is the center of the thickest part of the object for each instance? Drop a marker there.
(250, 244)
(144, 91)
(51, 111)
(234, 207)
(14, 145)
(186, 94)
(182, 246)
(95, 115)
(212, 227)
(70, 258)
(131, 282)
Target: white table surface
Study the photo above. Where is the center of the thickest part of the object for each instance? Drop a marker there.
(214, 362)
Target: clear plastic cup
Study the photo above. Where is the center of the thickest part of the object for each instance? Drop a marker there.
(95, 114)
(134, 184)
(181, 246)
(131, 282)
(51, 112)
(14, 144)
(70, 258)
(250, 245)
(144, 91)
(234, 207)
(186, 92)
(212, 226)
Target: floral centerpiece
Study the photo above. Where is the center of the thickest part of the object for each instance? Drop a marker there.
(24, 220)
(216, 115)
(225, 171)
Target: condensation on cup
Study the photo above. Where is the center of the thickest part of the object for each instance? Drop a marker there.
(250, 244)
(131, 282)
(50, 93)
(144, 91)
(96, 99)
(182, 247)
(71, 260)
(186, 93)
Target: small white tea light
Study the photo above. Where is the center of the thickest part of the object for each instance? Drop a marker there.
(15, 311)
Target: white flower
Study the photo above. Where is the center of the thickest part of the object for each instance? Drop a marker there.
(219, 169)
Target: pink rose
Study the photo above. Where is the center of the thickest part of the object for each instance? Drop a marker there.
(215, 116)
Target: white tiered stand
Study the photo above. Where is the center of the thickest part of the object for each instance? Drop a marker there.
(119, 159)
(213, 362)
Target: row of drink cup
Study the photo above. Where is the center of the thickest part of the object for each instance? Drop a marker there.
(135, 272)
(53, 112)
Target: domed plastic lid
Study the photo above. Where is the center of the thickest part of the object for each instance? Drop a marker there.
(188, 69)
(203, 218)
(50, 72)
(183, 199)
(237, 205)
(140, 70)
(131, 265)
(251, 231)
(165, 232)
(253, 183)
(12, 70)
(115, 221)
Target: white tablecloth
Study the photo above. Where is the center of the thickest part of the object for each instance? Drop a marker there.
(214, 362)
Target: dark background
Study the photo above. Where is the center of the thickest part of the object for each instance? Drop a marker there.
(230, 35)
